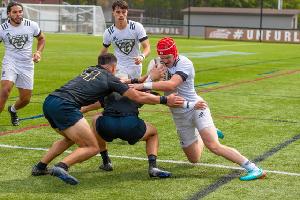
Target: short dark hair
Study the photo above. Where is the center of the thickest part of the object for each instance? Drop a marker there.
(12, 4)
(107, 59)
(121, 4)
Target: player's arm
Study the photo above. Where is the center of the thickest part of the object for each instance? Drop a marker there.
(147, 98)
(146, 48)
(146, 52)
(94, 106)
(106, 43)
(155, 74)
(141, 79)
(104, 50)
(41, 40)
(169, 85)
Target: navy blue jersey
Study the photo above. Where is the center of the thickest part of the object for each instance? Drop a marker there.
(92, 85)
(117, 105)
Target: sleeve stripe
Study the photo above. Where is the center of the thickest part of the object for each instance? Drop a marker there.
(38, 34)
(143, 39)
(106, 45)
(182, 74)
(4, 26)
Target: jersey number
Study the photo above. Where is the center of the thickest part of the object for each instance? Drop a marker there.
(89, 75)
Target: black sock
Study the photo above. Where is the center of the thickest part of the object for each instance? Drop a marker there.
(41, 166)
(105, 157)
(62, 165)
(152, 161)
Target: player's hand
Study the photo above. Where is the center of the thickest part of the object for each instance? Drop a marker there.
(125, 80)
(36, 57)
(174, 100)
(139, 59)
(157, 73)
(200, 105)
(137, 86)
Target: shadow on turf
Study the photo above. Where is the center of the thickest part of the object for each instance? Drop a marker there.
(89, 179)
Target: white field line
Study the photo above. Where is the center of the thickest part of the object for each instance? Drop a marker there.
(226, 45)
(164, 161)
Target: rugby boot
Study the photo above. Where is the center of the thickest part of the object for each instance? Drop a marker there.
(156, 172)
(106, 167)
(13, 117)
(39, 172)
(63, 175)
(254, 174)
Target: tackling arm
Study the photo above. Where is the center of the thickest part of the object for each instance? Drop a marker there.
(169, 85)
(94, 106)
(146, 98)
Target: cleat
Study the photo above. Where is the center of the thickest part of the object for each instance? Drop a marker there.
(156, 172)
(39, 172)
(220, 134)
(254, 174)
(13, 117)
(106, 167)
(63, 175)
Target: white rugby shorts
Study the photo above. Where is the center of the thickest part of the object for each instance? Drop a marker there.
(190, 123)
(21, 78)
(131, 71)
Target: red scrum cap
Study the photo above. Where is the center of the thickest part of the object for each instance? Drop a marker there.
(167, 46)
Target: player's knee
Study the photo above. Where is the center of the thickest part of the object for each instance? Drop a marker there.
(5, 93)
(151, 130)
(94, 119)
(215, 148)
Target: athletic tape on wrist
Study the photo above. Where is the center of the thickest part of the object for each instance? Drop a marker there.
(147, 85)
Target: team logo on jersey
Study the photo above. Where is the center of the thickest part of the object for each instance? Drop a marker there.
(125, 45)
(201, 114)
(18, 41)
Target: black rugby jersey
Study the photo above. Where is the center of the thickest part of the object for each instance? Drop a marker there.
(117, 105)
(93, 84)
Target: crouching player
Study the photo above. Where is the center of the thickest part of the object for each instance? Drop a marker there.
(119, 119)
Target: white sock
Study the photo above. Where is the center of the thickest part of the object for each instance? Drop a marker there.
(13, 109)
(249, 166)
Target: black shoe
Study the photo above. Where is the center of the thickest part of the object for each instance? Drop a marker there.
(13, 117)
(106, 167)
(156, 172)
(63, 175)
(39, 172)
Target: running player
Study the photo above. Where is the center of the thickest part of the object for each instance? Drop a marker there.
(120, 120)
(126, 36)
(17, 34)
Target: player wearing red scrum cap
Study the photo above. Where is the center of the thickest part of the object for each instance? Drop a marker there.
(195, 128)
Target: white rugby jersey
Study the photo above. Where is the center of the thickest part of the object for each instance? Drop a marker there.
(185, 68)
(126, 42)
(18, 40)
